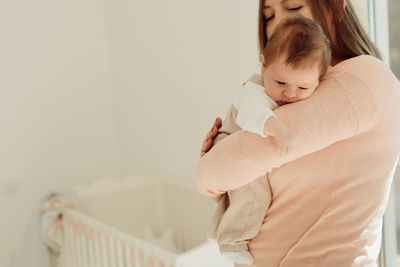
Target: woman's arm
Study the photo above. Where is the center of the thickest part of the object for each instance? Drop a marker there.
(332, 114)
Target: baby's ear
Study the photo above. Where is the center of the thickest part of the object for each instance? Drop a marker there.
(262, 60)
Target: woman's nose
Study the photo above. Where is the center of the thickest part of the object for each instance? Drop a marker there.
(279, 17)
(272, 25)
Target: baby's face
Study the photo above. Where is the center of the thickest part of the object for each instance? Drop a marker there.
(286, 85)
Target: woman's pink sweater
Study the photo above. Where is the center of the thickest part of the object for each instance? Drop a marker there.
(331, 190)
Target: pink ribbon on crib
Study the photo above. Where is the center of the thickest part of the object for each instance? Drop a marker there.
(78, 230)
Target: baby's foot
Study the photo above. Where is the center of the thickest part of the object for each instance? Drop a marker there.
(239, 256)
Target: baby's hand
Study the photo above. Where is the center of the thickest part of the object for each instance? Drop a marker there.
(282, 134)
(284, 137)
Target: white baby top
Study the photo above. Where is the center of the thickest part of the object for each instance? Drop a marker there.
(254, 108)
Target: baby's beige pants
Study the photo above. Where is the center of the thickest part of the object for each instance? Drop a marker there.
(240, 212)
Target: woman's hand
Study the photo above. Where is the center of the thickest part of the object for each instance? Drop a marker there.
(209, 140)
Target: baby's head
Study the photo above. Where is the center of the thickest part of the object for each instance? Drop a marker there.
(294, 59)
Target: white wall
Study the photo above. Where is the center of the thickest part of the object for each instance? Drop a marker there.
(175, 65)
(361, 7)
(394, 29)
(57, 120)
(95, 89)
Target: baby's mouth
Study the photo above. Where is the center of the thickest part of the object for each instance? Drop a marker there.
(283, 103)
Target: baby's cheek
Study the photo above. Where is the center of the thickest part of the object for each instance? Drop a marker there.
(308, 94)
(274, 92)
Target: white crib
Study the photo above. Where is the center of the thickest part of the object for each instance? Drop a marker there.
(117, 211)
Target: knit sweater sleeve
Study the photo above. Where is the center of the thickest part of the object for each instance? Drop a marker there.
(341, 107)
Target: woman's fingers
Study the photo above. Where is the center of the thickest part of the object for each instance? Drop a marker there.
(214, 130)
(207, 144)
(209, 140)
(218, 122)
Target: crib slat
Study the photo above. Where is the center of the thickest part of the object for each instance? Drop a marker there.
(84, 247)
(76, 245)
(120, 261)
(104, 251)
(97, 249)
(90, 242)
(68, 259)
(112, 250)
(137, 258)
(159, 263)
(73, 246)
(64, 250)
(128, 255)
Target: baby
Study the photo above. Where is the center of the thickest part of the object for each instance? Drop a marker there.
(293, 61)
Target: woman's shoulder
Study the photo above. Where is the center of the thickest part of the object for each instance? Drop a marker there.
(368, 83)
(365, 67)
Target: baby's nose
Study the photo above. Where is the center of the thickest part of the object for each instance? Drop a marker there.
(290, 92)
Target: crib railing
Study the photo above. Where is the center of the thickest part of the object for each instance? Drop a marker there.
(90, 243)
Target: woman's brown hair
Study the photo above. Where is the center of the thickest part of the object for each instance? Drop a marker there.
(349, 38)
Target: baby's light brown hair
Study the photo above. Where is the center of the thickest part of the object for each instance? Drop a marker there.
(302, 42)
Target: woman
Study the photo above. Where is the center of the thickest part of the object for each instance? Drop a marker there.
(330, 191)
